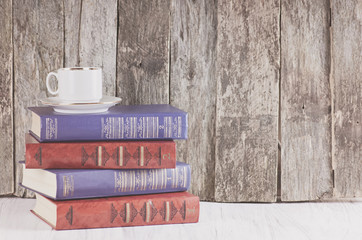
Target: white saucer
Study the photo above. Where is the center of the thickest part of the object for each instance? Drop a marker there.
(62, 106)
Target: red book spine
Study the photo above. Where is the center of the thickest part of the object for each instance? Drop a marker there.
(154, 209)
(111, 154)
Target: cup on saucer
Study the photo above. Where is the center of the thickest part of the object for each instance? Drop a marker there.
(77, 84)
(79, 91)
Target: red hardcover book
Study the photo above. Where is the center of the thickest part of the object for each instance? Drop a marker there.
(152, 209)
(107, 154)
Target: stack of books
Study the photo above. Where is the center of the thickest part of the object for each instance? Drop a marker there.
(111, 169)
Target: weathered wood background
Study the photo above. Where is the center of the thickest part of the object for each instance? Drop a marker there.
(255, 77)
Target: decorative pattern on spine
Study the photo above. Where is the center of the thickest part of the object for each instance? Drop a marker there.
(37, 157)
(153, 209)
(128, 213)
(110, 155)
(100, 156)
(69, 215)
(114, 213)
(148, 212)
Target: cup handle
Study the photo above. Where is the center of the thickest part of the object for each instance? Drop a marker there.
(48, 85)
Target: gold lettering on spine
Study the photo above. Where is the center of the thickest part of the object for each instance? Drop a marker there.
(68, 185)
(173, 177)
(130, 182)
(176, 178)
(72, 184)
(122, 177)
(142, 157)
(145, 179)
(115, 182)
(190, 210)
(162, 179)
(133, 177)
(167, 211)
(99, 162)
(165, 176)
(179, 122)
(141, 182)
(121, 181)
(64, 186)
(142, 176)
(153, 127)
(120, 160)
(113, 127)
(165, 172)
(148, 212)
(165, 124)
(134, 180)
(125, 181)
(157, 183)
(144, 132)
(128, 212)
(171, 127)
(122, 132)
(119, 127)
(153, 179)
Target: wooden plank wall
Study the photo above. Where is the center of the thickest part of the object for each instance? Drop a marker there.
(235, 66)
(143, 51)
(90, 37)
(247, 75)
(38, 49)
(193, 87)
(6, 99)
(305, 101)
(347, 96)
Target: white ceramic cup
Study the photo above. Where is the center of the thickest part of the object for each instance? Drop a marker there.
(77, 84)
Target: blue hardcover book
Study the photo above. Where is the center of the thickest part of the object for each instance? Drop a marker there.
(61, 184)
(121, 122)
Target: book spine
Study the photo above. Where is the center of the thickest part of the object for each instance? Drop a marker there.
(100, 155)
(150, 210)
(101, 127)
(106, 182)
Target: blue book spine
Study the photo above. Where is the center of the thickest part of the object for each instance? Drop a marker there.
(113, 125)
(77, 184)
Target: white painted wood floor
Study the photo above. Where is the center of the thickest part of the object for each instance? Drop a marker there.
(328, 220)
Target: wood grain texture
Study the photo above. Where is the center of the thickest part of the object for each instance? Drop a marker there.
(305, 101)
(347, 96)
(72, 18)
(143, 51)
(91, 37)
(247, 74)
(38, 49)
(193, 87)
(6, 99)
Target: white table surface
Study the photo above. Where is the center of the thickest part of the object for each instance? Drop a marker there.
(329, 220)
